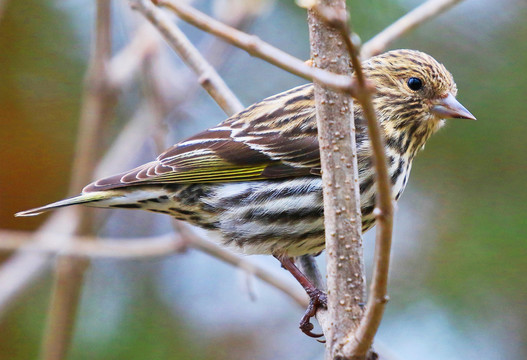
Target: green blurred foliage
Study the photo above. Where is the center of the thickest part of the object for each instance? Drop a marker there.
(25, 321)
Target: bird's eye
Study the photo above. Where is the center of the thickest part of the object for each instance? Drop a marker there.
(415, 83)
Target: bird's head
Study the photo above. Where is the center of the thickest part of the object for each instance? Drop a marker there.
(414, 94)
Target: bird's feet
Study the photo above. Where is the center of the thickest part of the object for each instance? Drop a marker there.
(317, 299)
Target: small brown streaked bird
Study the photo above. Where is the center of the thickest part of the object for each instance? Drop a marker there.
(255, 177)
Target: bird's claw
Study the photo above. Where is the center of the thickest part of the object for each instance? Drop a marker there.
(317, 299)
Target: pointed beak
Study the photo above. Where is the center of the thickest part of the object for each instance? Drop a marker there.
(448, 108)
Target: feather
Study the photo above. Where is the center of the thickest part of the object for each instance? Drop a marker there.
(80, 199)
(275, 138)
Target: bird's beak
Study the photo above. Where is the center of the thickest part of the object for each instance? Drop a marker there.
(448, 107)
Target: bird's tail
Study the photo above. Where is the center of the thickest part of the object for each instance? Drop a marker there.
(91, 197)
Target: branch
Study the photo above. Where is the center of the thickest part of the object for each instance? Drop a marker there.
(216, 51)
(256, 47)
(309, 268)
(342, 217)
(92, 247)
(358, 342)
(99, 100)
(408, 22)
(198, 242)
(98, 103)
(147, 247)
(208, 77)
(124, 66)
(22, 269)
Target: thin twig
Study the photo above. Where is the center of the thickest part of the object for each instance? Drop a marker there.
(408, 22)
(22, 269)
(124, 66)
(338, 156)
(92, 247)
(208, 77)
(147, 247)
(196, 241)
(359, 341)
(378, 297)
(98, 103)
(159, 103)
(239, 15)
(256, 47)
(99, 100)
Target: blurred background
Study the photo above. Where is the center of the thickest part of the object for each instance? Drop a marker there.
(458, 284)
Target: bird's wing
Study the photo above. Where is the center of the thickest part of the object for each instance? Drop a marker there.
(275, 138)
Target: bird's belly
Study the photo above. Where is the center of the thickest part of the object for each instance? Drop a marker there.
(258, 217)
(281, 216)
(254, 217)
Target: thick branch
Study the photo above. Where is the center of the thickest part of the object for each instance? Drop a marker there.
(358, 342)
(99, 99)
(208, 77)
(98, 103)
(256, 47)
(408, 22)
(338, 155)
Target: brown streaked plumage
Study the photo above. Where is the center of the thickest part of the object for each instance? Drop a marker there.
(233, 172)
(255, 178)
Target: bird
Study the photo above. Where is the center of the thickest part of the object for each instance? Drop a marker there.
(255, 178)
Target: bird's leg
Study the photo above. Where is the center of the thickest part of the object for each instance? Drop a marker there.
(317, 298)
